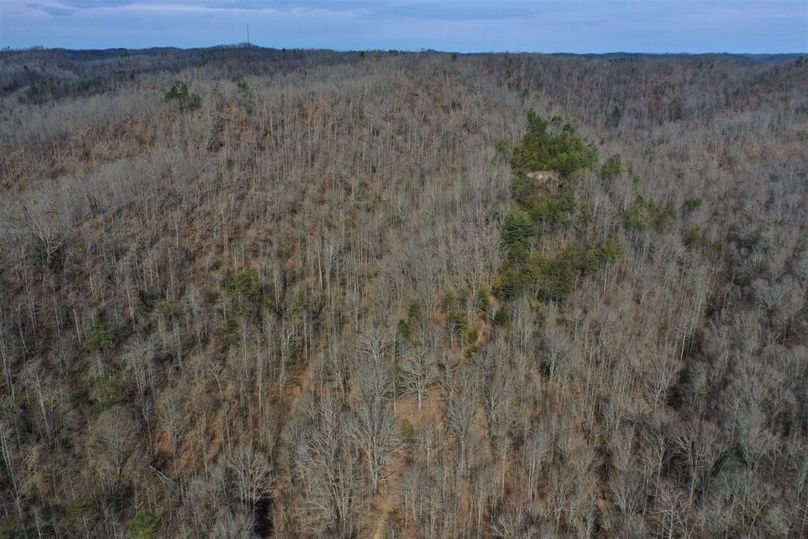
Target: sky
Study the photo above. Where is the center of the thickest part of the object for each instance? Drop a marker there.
(577, 26)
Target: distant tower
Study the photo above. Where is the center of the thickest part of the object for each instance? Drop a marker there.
(248, 35)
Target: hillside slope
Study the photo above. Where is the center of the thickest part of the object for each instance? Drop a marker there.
(249, 292)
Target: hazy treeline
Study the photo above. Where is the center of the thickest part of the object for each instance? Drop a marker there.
(248, 292)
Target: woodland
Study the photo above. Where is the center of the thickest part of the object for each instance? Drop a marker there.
(251, 292)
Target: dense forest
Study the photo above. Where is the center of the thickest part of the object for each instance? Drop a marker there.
(250, 293)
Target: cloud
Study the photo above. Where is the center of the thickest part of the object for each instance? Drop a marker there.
(52, 10)
(451, 11)
(284, 5)
(95, 4)
(414, 10)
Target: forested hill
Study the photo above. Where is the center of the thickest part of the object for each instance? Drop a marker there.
(250, 292)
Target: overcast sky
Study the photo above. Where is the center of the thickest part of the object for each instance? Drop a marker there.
(755, 26)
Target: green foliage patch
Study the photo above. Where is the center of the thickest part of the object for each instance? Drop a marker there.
(241, 291)
(105, 392)
(697, 241)
(241, 296)
(612, 168)
(407, 431)
(553, 212)
(558, 275)
(554, 146)
(101, 337)
(415, 312)
(404, 330)
(692, 204)
(646, 215)
(503, 147)
(8, 528)
(298, 306)
(241, 84)
(457, 322)
(483, 303)
(502, 317)
(187, 100)
(550, 146)
(144, 525)
(81, 505)
(517, 231)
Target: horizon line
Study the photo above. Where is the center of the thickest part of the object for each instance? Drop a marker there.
(244, 45)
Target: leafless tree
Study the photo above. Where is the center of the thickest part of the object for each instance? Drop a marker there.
(418, 373)
(373, 424)
(114, 436)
